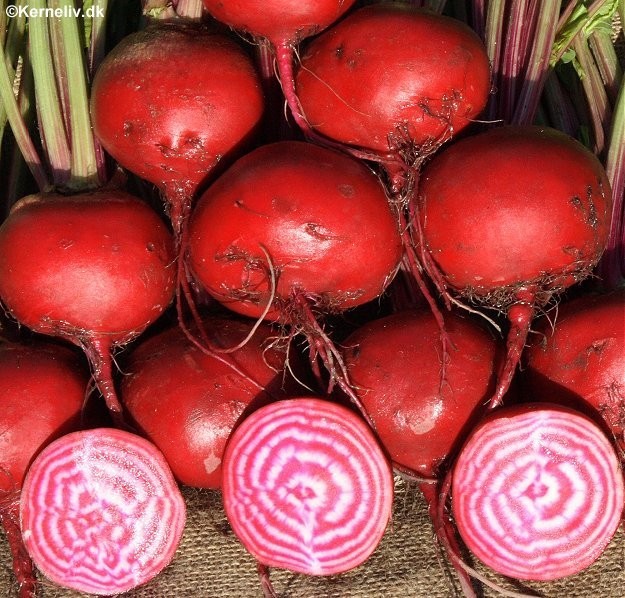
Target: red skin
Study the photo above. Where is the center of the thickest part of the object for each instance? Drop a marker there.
(278, 20)
(395, 367)
(581, 358)
(43, 389)
(515, 206)
(391, 69)
(188, 402)
(322, 217)
(171, 101)
(90, 265)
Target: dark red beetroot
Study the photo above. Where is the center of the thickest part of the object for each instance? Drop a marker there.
(283, 24)
(393, 79)
(43, 389)
(395, 366)
(307, 487)
(510, 217)
(187, 402)
(95, 268)
(537, 492)
(322, 218)
(101, 512)
(172, 101)
(580, 357)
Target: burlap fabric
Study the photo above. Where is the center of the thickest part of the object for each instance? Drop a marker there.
(211, 563)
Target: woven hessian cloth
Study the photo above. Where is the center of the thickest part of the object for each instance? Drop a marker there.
(211, 563)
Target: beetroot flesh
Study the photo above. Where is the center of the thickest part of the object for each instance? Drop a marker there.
(306, 486)
(537, 492)
(96, 269)
(322, 217)
(101, 512)
(51, 382)
(580, 358)
(187, 401)
(393, 79)
(502, 226)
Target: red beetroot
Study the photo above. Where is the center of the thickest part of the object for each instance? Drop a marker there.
(95, 268)
(395, 366)
(172, 101)
(43, 389)
(510, 217)
(283, 24)
(537, 492)
(321, 217)
(580, 358)
(187, 401)
(392, 78)
(306, 486)
(101, 512)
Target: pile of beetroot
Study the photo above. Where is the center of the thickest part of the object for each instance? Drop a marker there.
(289, 251)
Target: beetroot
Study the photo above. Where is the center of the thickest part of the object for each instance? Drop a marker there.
(505, 227)
(172, 101)
(306, 486)
(43, 389)
(537, 492)
(320, 216)
(282, 24)
(101, 270)
(101, 512)
(580, 358)
(392, 78)
(395, 367)
(187, 401)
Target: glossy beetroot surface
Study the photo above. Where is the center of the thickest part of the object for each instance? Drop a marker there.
(389, 77)
(187, 402)
(306, 486)
(514, 207)
(580, 357)
(101, 512)
(320, 217)
(396, 367)
(537, 492)
(171, 101)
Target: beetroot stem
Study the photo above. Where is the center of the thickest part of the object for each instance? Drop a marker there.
(520, 316)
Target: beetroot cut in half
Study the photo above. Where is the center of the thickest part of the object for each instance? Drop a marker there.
(537, 492)
(306, 486)
(101, 512)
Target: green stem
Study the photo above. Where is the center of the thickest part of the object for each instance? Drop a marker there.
(190, 9)
(97, 47)
(611, 72)
(84, 164)
(53, 132)
(19, 128)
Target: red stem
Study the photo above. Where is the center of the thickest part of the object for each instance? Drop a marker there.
(520, 316)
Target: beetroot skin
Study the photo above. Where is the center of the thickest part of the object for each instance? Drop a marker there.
(389, 77)
(320, 217)
(187, 402)
(395, 366)
(580, 358)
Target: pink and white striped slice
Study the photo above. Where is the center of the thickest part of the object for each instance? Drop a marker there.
(537, 492)
(101, 512)
(306, 486)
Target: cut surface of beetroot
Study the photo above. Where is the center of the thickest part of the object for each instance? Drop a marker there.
(101, 512)
(306, 486)
(537, 492)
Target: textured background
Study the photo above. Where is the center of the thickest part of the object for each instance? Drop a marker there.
(211, 563)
